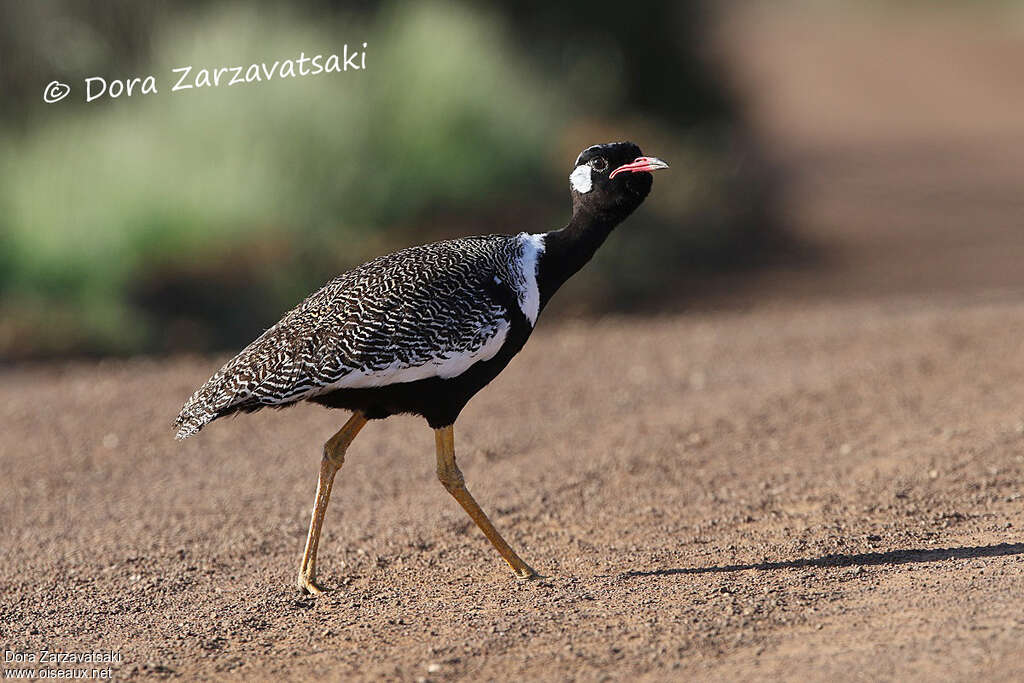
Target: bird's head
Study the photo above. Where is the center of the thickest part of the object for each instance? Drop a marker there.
(609, 181)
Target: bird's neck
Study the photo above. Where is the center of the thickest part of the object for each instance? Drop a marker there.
(569, 249)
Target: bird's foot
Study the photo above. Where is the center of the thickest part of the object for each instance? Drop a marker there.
(525, 573)
(308, 584)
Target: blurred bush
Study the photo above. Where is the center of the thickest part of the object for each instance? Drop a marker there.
(191, 220)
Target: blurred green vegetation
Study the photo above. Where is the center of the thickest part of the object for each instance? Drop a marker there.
(191, 220)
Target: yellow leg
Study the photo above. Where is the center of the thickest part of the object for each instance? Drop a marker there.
(449, 474)
(334, 457)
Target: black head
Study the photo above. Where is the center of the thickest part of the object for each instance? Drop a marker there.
(609, 181)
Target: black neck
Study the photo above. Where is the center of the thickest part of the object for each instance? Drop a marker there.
(569, 249)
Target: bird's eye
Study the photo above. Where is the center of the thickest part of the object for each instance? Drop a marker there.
(599, 164)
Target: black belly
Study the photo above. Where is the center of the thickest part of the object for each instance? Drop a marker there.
(438, 400)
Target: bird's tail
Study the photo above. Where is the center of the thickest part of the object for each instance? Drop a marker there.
(203, 407)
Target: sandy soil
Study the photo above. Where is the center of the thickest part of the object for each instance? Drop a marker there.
(833, 493)
(823, 483)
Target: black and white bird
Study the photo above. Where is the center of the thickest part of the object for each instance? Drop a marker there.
(421, 331)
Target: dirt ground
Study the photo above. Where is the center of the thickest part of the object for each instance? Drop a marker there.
(823, 480)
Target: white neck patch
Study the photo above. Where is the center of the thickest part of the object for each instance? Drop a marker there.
(527, 288)
(580, 179)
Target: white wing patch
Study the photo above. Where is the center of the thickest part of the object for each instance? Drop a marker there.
(529, 293)
(447, 365)
(580, 179)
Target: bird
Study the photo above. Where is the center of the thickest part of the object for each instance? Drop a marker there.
(420, 331)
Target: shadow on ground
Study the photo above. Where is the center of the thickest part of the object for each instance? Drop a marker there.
(893, 557)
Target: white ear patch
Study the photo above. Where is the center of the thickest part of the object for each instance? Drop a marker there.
(580, 179)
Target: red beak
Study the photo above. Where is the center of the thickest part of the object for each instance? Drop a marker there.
(640, 164)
